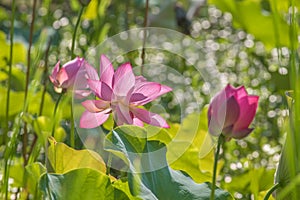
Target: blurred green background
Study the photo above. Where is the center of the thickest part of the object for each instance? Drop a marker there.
(247, 41)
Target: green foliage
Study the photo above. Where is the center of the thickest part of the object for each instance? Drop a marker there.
(122, 184)
(287, 169)
(253, 181)
(43, 130)
(17, 99)
(96, 11)
(63, 158)
(246, 168)
(80, 170)
(14, 107)
(17, 79)
(27, 177)
(78, 184)
(149, 175)
(96, 8)
(19, 55)
(33, 172)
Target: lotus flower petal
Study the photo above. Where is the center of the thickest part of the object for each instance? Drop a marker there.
(241, 134)
(54, 73)
(124, 80)
(145, 93)
(71, 70)
(164, 89)
(80, 94)
(91, 72)
(231, 112)
(248, 106)
(150, 118)
(138, 122)
(106, 71)
(122, 114)
(64, 77)
(92, 120)
(101, 89)
(73, 66)
(95, 105)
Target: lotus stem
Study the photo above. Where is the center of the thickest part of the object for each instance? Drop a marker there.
(75, 31)
(72, 128)
(72, 131)
(220, 142)
(273, 188)
(144, 36)
(12, 29)
(54, 113)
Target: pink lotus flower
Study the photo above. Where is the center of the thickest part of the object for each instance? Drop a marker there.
(121, 92)
(231, 112)
(64, 77)
(77, 70)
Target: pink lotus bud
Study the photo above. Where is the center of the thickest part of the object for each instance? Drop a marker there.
(231, 112)
(64, 77)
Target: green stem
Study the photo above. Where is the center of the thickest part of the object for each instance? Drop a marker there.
(144, 36)
(277, 185)
(275, 20)
(220, 142)
(45, 78)
(6, 175)
(29, 52)
(25, 134)
(54, 113)
(72, 131)
(294, 80)
(75, 31)
(44, 82)
(12, 29)
(10, 149)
